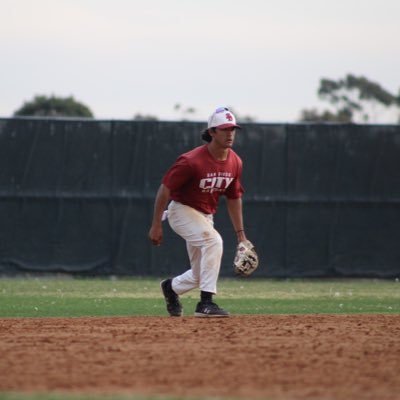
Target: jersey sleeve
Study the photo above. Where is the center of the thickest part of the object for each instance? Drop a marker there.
(179, 174)
(235, 190)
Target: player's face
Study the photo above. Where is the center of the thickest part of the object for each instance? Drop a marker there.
(224, 137)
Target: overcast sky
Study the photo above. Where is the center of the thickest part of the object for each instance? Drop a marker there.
(264, 58)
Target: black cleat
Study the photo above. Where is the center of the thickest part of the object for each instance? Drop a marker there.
(174, 306)
(209, 310)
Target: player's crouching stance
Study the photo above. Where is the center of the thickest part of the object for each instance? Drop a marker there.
(192, 186)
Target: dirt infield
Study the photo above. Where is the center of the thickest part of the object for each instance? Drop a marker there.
(275, 357)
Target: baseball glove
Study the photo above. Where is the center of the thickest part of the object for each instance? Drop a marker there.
(246, 259)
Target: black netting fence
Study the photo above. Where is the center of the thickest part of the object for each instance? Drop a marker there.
(77, 196)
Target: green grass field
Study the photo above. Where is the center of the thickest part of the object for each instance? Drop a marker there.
(72, 297)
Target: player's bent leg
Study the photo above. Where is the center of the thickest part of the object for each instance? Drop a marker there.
(191, 278)
(209, 272)
(205, 248)
(211, 256)
(185, 282)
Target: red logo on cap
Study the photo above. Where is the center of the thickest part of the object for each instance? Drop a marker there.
(229, 117)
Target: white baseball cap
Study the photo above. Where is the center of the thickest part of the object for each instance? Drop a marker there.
(222, 118)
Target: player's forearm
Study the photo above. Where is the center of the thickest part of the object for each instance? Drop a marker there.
(160, 204)
(236, 216)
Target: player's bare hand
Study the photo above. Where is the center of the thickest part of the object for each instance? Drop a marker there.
(156, 235)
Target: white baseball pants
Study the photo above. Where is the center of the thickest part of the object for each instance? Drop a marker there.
(204, 246)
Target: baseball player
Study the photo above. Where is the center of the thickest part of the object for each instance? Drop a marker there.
(192, 186)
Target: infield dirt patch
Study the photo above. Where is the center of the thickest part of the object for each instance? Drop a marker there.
(275, 357)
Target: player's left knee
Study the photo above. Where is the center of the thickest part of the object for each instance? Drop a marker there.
(216, 240)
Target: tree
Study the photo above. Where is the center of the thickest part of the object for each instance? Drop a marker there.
(186, 113)
(54, 107)
(145, 117)
(355, 99)
(312, 115)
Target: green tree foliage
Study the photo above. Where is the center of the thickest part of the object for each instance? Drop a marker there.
(313, 115)
(186, 113)
(54, 107)
(145, 117)
(354, 98)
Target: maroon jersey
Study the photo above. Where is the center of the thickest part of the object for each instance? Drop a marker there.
(197, 179)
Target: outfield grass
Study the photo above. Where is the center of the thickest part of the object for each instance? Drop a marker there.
(73, 297)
